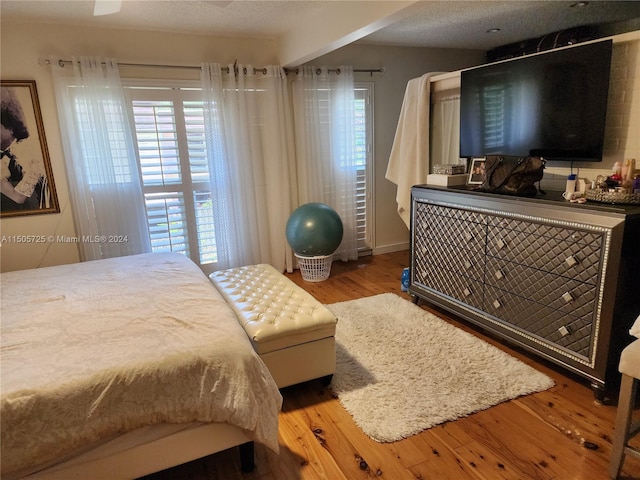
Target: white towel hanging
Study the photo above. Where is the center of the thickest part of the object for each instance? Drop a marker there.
(409, 158)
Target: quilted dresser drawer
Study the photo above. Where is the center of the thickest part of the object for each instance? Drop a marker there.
(571, 253)
(452, 213)
(446, 227)
(456, 286)
(437, 255)
(553, 327)
(554, 291)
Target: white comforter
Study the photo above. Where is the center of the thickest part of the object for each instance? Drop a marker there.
(94, 349)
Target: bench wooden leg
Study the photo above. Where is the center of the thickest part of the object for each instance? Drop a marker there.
(326, 380)
(247, 457)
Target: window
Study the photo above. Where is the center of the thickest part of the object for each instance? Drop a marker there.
(168, 129)
(169, 132)
(364, 155)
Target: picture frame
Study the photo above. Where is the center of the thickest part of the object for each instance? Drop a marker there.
(476, 171)
(27, 184)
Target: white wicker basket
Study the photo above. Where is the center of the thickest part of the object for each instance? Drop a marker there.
(315, 269)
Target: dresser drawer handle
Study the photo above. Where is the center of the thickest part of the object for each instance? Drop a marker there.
(500, 244)
(499, 275)
(468, 236)
(467, 264)
(567, 297)
(467, 292)
(571, 261)
(496, 303)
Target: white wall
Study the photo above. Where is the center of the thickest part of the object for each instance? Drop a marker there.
(401, 65)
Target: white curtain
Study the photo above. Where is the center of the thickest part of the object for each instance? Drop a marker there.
(445, 130)
(324, 117)
(104, 181)
(248, 131)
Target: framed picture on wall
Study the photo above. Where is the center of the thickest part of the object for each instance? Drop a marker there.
(26, 183)
(476, 171)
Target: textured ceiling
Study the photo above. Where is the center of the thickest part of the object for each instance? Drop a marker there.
(464, 24)
(262, 19)
(447, 24)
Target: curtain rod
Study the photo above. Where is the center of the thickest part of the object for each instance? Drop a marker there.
(62, 63)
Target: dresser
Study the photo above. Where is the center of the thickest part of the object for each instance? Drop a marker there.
(561, 280)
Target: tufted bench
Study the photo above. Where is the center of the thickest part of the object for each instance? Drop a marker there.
(293, 333)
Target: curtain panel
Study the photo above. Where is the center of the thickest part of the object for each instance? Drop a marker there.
(104, 183)
(445, 131)
(248, 132)
(324, 119)
(266, 155)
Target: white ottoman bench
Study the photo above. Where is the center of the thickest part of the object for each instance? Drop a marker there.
(293, 333)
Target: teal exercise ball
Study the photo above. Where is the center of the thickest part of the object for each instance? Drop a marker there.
(314, 229)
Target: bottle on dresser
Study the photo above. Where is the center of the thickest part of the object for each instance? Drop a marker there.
(627, 173)
(570, 188)
(622, 176)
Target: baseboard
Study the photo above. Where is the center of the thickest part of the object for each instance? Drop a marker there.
(398, 247)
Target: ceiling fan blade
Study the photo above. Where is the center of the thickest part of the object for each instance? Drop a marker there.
(106, 7)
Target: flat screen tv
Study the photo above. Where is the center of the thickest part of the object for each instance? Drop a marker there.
(551, 105)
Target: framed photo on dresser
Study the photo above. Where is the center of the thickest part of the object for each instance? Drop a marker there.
(476, 171)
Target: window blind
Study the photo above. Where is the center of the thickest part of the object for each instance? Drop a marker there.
(169, 128)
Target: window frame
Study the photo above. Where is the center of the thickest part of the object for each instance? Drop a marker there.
(366, 243)
(176, 92)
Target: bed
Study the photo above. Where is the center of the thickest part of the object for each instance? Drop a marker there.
(122, 367)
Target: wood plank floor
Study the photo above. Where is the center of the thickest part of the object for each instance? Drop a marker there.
(559, 434)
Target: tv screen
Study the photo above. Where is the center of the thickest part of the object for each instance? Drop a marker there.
(551, 105)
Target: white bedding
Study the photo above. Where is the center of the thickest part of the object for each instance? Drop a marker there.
(95, 349)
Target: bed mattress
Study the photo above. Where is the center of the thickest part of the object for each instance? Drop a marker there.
(96, 349)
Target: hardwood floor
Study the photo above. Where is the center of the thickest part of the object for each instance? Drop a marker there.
(557, 434)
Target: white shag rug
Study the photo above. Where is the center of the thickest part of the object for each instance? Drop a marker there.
(401, 369)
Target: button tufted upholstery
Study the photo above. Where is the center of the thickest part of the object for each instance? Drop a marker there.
(282, 320)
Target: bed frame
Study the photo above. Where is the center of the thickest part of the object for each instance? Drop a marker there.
(130, 463)
(118, 454)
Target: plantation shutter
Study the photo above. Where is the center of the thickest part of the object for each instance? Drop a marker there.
(169, 128)
(364, 150)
